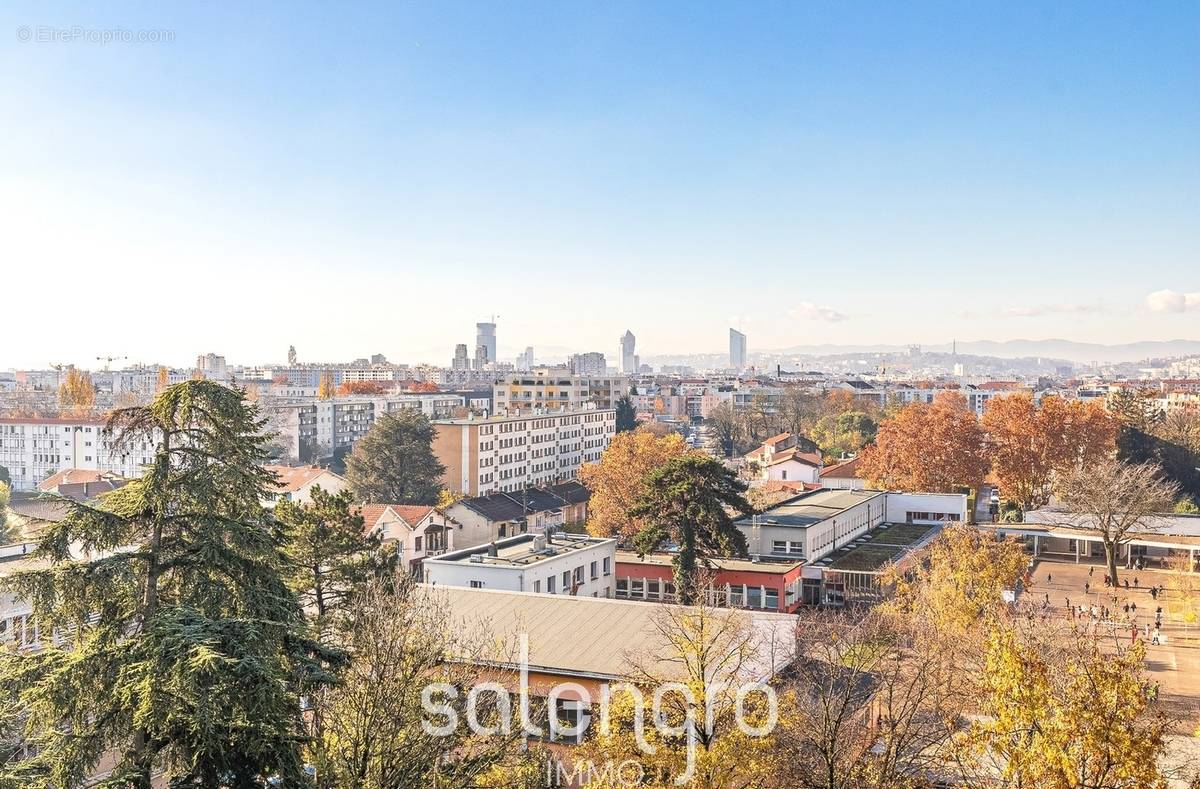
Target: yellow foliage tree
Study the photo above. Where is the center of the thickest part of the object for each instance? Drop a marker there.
(961, 583)
(1060, 712)
(708, 653)
(77, 393)
(325, 388)
(617, 480)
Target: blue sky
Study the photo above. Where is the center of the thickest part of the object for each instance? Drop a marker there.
(376, 179)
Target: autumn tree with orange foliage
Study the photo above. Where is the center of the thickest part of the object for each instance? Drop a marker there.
(1030, 443)
(361, 388)
(424, 387)
(617, 481)
(933, 447)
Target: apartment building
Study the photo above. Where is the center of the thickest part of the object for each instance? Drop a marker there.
(548, 563)
(311, 429)
(33, 449)
(519, 449)
(549, 387)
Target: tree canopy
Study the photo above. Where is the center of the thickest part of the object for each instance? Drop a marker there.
(169, 638)
(394, 462)
(933, 447)
(618, 479)
(626, 415)
(688, 502)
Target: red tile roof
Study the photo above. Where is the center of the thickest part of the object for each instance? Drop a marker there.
(292, 478)
(807, 458)
(72, 476)
(847, 469)
(411, 514)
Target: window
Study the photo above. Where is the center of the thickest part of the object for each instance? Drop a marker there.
(594, 576)
(476, 584)
(579, 574)
(417, 544)
(652, 589)
(772, 598)
(622, 587)
(637, 587)
(737, 594)
(566, 579)
(537, 586)
(606, 567)
(754, 596)
(550, 585)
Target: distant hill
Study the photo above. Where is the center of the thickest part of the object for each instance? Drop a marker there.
(1016, 349)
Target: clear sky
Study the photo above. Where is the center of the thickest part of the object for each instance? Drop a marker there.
(378, 178)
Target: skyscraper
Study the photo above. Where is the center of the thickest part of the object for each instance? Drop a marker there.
(628, 356)
(737, 350)
(485, 337)
(461, 362)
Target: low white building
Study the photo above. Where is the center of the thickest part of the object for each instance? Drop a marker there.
(814, 525)
(551, 563)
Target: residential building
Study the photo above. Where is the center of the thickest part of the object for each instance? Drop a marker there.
(483, 519)
(782, 458)
(515, 450)
(296, 483)
(417, 532)
(553, 387)
(81, 484)
(212, 366)
(34, 448)
(311, 429)
(547, 563)
(737, 350)
(591, 364)
(628, 354)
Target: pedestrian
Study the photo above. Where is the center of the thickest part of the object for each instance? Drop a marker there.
(1154, 592)
(1067, 602)
(1127, 608)
(1126, 583)
(1132, 634)
(1155, 640)
(1048, 577)
(1135, 582)
(1133, 606)
(1086, 585)
(1146, 629)
(1158, 612)
(1047, 599)
(1091, 570)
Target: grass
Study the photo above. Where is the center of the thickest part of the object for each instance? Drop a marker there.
(898, 534)
(870, 556)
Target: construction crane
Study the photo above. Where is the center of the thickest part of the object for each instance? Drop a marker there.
(58, 368)
(109, 360)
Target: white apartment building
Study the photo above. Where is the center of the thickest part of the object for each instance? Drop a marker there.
(311, 429)
(550, 387)
(33, 449)
(516, 450)
(551, 563)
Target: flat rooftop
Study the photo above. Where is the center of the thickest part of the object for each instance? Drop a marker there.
(809, 508)
(881, 546)
(516, 415)
(772, 565)
(523, 550)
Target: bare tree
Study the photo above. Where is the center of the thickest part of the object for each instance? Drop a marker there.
(1117, 500)
(368, 732)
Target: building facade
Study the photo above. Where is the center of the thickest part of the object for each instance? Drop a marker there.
(547, 563)
(33, 449)
(515, 450)
(551, 388)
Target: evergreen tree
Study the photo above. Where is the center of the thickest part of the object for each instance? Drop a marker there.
(687, 502)
(328, 556)
(176, 643)
(394, 463)
(626, 416)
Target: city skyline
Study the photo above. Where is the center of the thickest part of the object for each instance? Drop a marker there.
(886, 175)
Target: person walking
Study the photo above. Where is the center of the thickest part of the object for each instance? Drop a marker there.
(1155, 640)
(1086, 586)
(1126, 583)
(1049, 578)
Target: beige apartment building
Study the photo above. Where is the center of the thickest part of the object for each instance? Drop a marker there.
(550, 387)
(519, 449)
